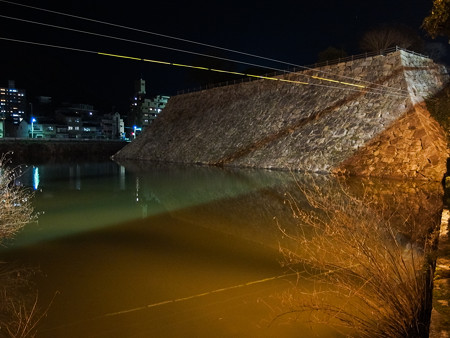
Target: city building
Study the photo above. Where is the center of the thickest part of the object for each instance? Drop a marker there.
(13, 106)
(42, 119)
(137, 104)
(152, 108)
(2, 126)
(144, 111)
(79, 121)
(112, 126)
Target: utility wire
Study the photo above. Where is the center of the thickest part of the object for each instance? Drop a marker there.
(146, 32)
(201, 44)
(366, 89)
(136, 42)
(181, 50)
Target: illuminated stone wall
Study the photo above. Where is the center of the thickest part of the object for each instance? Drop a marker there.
(321, 127)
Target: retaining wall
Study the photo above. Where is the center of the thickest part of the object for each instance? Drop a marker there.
(380, 127)
(36, 151)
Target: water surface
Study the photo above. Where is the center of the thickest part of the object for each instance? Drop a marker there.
(159, 251)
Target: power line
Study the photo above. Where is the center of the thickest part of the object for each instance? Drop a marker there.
(369, 90)
(136, 42)
(197, 43)
(181, 50)
(49, 45)
(146, 32)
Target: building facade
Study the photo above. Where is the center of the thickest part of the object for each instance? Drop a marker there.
(152, 108)
(112, 126)
(13, 106)
(144, 111)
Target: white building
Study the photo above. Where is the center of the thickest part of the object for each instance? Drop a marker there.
(112, 126)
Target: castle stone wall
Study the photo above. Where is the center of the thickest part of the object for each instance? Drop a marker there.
(322, 126)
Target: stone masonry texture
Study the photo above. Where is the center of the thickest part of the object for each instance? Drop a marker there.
(382, 130)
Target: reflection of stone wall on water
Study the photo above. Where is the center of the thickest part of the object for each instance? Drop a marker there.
(244, 202)
(275, 124)
(413, 207)
(412, 210)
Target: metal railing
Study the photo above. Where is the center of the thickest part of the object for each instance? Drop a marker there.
(383, 52)
(362, 56)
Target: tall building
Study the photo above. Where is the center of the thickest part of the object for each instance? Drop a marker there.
(12, 104)
(143, 111)
(153, 108)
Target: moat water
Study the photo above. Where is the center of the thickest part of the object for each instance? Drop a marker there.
(158, 251)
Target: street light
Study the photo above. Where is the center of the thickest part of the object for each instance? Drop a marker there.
(33, 120)
(135, 129)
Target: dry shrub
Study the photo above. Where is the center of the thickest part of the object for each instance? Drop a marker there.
(16, 209)
(369, 277)
(19, 313)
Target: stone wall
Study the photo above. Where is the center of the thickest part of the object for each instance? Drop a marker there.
(312, 125)
(414, 146)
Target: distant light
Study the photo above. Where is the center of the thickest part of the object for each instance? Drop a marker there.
(33, 120)
(36, 180)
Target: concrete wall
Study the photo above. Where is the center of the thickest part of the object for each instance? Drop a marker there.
(36, 151)
(321, 127)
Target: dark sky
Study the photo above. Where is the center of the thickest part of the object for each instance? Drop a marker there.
(292, 31)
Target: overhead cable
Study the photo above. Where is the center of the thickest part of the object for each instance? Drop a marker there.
(366, 89)
(202, 44)
(185, 51)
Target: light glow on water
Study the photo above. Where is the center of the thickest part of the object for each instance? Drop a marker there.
(101, 195)
(35, 178)
(164, 251)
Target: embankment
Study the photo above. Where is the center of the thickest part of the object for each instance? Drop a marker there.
(364, 117)
(26, 151)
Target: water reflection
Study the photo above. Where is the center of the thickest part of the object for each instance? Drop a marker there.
(83, 197)
(36, 179)
(166, 251)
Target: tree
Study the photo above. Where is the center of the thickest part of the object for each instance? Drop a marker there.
(437, 23)
(16, 209)
(387, 36)
(331, 53)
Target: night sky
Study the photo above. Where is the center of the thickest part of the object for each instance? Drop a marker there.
(291, 31)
